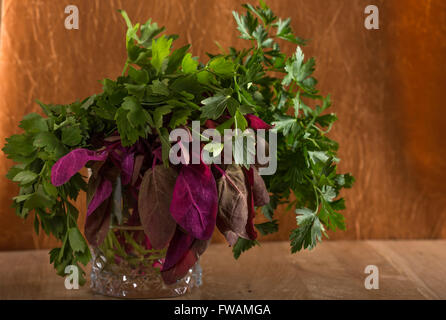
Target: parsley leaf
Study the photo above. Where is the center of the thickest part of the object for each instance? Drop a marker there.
(222, 66)
(267, 227)
(309, 232)
(189, 65)
(160, 51)
(216, 105)
(242, 245)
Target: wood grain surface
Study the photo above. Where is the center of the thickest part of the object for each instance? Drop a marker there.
(386, 86)
(334, 270)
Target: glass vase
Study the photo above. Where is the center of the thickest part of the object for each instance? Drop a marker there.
(123, 267)
(124, 264)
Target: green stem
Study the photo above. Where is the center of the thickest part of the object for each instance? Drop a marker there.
(125, 67)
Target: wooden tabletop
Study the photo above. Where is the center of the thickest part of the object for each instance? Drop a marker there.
(334, 270)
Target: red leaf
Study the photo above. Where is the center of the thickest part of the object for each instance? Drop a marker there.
(155, 196)
(178, 247)
(180, 269)
(71, 163)
(251, 211)
(139, 159)
(195, 200)
(187, 261)
(102, 193)
(210, 124)
(255, 122)
(232, 203)
(127, 168)
(98, 222)
(260, 193)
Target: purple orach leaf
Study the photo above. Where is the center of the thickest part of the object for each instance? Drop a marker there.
(195, 200)
(249, 174)
(231, 237)
(188, 260)
(232, 203)
(96, 167)
(116, 198)
(134, 219)
(259, 191)
(93, 183)
(127, 164)
(178, 247)
(71, 163)
(102, 193)
(155, 196)
(210, 124)
(139, 159)
(98, 222)
(200, 246)
(180, 269)
(255, 122)
(147, 243)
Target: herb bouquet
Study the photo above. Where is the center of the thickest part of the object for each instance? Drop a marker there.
(154, 197)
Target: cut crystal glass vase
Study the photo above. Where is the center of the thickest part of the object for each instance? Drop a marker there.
(124, 263)
(123, 267)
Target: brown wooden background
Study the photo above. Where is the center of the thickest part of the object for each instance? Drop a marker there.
(387, 86)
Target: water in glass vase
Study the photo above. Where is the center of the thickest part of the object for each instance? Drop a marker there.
(125, 266)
